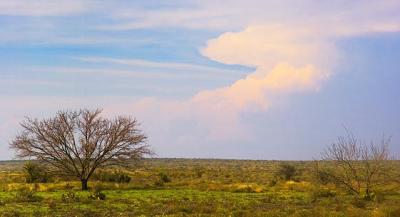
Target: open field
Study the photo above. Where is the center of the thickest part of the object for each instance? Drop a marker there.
(184, 187)
(120, 108)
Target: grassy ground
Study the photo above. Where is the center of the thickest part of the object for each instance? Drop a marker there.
(192, 188)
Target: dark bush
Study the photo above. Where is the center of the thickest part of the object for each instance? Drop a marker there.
(35, 173)
(359, 202)
(323, 177)
(159, 183)
(164, 177)
(286, 172)
(273, 182)
(115, 176)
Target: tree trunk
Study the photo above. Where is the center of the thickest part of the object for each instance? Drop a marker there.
(84, 184)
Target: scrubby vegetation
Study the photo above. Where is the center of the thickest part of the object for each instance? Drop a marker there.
(35, 173)
(351, 179)
(194, 187)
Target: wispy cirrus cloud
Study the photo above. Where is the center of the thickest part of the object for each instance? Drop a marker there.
(42, 7)
(345, 17)
(165, 66)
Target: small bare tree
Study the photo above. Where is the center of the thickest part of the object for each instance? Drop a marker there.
(357, 167)
(76, 143)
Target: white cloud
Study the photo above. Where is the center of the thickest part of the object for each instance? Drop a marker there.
(177, 67)
(286, 60)
(291, 45)
(147, 72)
(252, 92)
(268, 45)
(214, 116)
(344, 17)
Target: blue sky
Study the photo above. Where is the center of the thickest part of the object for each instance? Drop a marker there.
(256, 80)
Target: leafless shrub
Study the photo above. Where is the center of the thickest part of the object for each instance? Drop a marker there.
(358, 167)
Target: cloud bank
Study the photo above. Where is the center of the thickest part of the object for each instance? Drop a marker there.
(289, 57)
(285, 62)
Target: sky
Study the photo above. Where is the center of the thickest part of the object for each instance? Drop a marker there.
(254, 79)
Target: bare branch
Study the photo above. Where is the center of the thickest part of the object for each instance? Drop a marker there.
(76, 143)
(358, 167)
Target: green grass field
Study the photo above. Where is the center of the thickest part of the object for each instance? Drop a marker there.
(184, 187)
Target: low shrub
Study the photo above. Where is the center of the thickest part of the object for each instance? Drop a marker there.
(35, 173)
(286, 172)
(322, 177)
(359, 202)
(97, 194)
(69, 196)
(115, 176)
(159, 183)
(324, 192)
(318, 192)
(164, 177)
(26, 195)
(273, 182)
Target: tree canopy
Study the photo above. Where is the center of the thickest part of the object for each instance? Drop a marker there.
(76, 143)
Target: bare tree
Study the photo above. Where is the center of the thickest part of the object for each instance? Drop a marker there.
(76, 143)
(358, 167)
